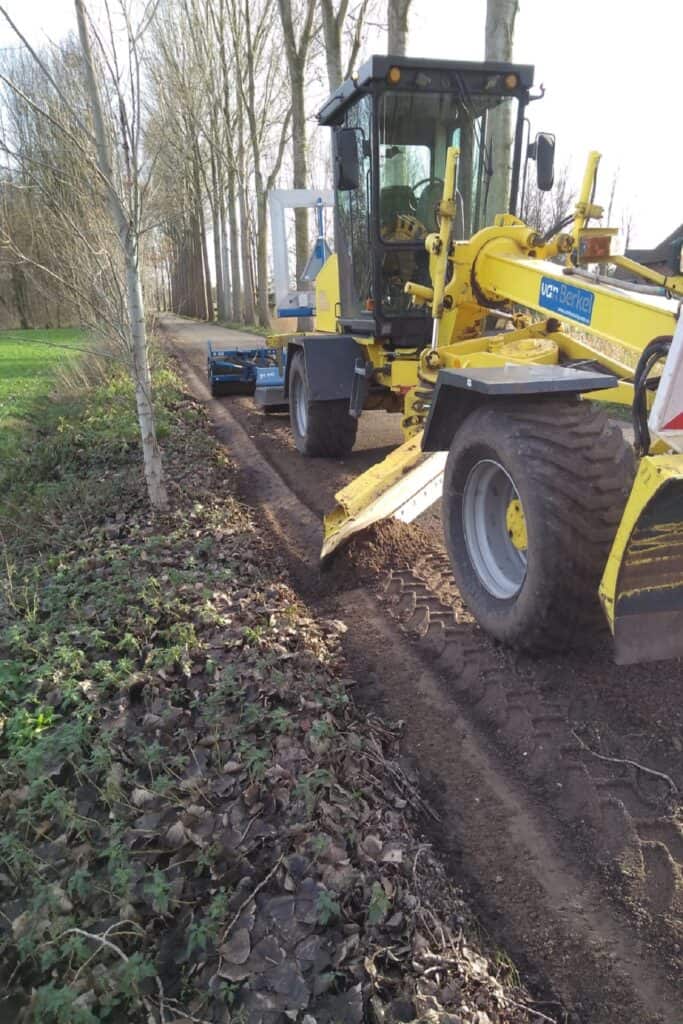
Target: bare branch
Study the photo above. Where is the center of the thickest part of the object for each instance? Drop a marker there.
(45, 70)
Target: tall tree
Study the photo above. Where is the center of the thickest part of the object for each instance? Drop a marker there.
(125, 211)
(397, 26)
(297, 52)
(255, 54)
(229, 126)
(93, 187)
(180, 99)
(500, 30)
(544, 210)
(344, 19)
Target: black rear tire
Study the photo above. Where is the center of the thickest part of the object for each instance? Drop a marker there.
(324, 429)
(572, 471)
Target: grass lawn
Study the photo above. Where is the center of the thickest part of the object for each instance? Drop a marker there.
(28, 362)
(31, 363)
(64, 438)
(234, 325)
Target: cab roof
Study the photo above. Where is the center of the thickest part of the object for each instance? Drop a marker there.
(430, 75)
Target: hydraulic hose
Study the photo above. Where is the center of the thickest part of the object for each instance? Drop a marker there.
(653, 353)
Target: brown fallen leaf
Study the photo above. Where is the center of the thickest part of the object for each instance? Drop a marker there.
(238, 947)
(176, 835)
(140, 797)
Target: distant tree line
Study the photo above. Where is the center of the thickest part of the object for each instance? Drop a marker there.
(223, 116)
(138, 153)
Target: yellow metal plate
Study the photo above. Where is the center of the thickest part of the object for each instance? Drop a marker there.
(642, 587)
(387, 489)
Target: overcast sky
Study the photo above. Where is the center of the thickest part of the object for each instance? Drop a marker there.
(612, 72)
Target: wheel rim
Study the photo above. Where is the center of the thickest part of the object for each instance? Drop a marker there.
(299, 404)
(495, 529)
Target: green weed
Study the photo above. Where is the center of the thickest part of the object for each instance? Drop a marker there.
(327, 908)
(379, 904)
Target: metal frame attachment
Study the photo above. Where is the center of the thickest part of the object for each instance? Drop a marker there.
(288, 302)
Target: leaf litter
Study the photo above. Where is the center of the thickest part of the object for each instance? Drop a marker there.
(199, 824)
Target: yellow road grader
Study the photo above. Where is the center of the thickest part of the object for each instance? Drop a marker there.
(499, 346)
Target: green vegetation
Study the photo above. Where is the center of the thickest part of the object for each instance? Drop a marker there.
(263, 332)
(193, 810)
(72, 456)
(95, 605)
(28, 362)
(112, 704)
(616, 411)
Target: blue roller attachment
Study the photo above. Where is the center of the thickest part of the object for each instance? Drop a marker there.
(243, 371)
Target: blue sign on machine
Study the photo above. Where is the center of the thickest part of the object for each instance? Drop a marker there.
(567, 300)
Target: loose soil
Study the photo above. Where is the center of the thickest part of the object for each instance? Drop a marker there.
(367, 555)
(604, 932)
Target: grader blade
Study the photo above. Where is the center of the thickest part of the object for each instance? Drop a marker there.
(402, 486)
(642, 587)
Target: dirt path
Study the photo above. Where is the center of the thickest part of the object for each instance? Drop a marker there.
(575, 861)
(196, 335)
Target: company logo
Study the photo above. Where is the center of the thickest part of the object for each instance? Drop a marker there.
(567, 300)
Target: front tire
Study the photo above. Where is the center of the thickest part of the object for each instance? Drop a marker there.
(533, 495)
(320, 428)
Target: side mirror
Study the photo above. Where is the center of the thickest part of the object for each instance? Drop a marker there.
(542, 150)
(677, 255)
(346, 164)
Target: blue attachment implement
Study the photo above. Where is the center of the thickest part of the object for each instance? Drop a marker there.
(259, 371)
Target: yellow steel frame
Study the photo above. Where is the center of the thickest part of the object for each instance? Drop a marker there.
(503, 267)
(499, 269)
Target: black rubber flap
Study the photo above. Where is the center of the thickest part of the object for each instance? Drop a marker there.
(525, 380)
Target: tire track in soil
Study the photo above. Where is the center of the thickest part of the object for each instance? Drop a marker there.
(545, 902)
(557, 919)
(632, 835)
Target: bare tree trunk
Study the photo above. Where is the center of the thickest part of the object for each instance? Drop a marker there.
(202, 311)
(142, 377)
(296, 52)
(333, 23)
(500, 28)
(230, 204)
(168, 299)
(154, 473)
(332, 37)
(397, 26)
(197, 297)
(19, 292)
(225, 261)
(234, 249)
(216, 230)
(248, 291)
(204, 255)
(262, 257)
(206, 270)
(301, 239)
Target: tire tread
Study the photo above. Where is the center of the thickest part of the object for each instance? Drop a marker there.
(579, 461)
(331, 431)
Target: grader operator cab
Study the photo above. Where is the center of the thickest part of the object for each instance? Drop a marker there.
(392, 127)
(442, 305)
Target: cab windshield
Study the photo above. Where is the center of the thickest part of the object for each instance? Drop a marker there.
(415, 130)
(401, 138)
